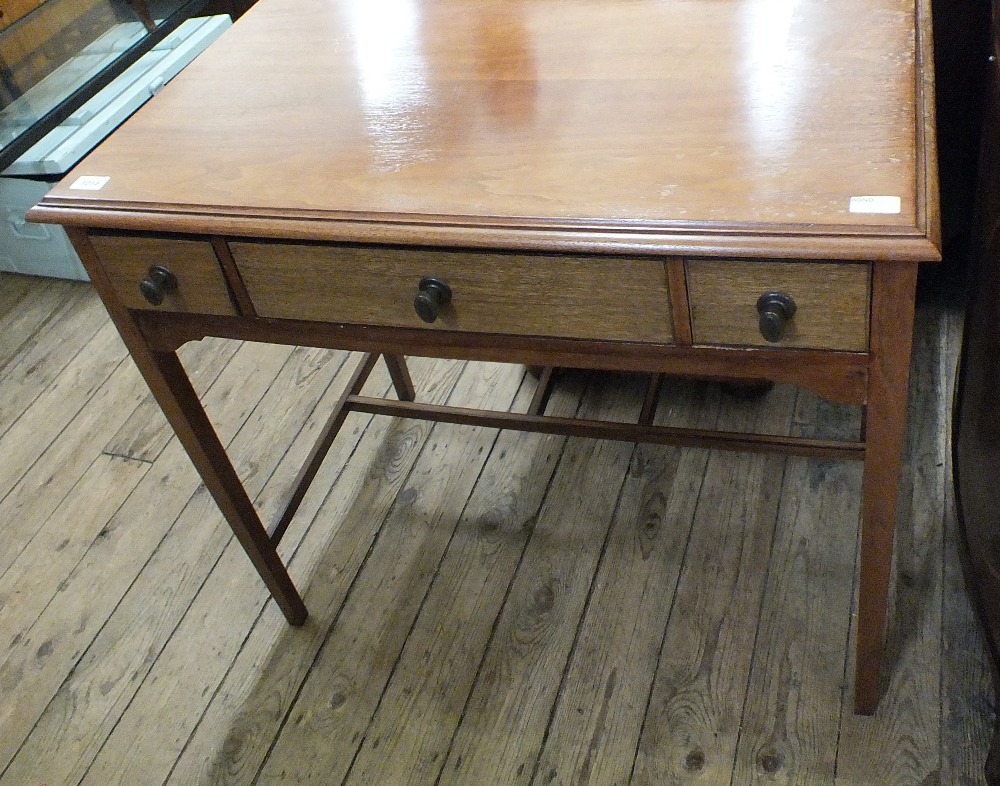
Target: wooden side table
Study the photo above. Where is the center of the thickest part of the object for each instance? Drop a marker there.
(588, 190)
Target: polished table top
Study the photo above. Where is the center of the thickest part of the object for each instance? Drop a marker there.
(660, 125)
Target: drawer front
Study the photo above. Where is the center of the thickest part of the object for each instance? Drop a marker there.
(616, 299)
(201, 288)
(831, 302)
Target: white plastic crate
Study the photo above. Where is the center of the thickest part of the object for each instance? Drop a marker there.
(26, 247)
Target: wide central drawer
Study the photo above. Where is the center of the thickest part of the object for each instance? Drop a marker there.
(610, 298)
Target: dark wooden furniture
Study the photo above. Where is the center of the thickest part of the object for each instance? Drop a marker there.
(976, 444)
(595, 190)
(976, 430)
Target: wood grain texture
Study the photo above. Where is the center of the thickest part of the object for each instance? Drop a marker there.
(839, 376)
(423, 702)
(575, 297)
(893, 294)
(242, 640)
(18, 290)
(595, 728)
(508, 709)
(32, 34)
(67, 458)
(928, 186)
(41, 424)
(613, 429)
(216, 741)
(901, 742)
(503, 138)
(180, 534)
(691, 726)
(250, 707)
(361, 651)
(12, 10)
(23, 316)
(402, 384)
(25, 306)
(679, 301)
(485, 114)
(186, 414)
(311, 465)
(233, 277)
(108, 569)
(790, 725)
(26, 327)
(32, 581)
(831, 303)
(41, 352)
(201, 287)
(146, 432)
(145, 690)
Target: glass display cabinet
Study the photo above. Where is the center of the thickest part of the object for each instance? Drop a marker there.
(70, 72)
(61, 53)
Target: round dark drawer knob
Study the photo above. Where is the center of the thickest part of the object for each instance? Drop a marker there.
(433, 295)
(776, 310)
(157, 283)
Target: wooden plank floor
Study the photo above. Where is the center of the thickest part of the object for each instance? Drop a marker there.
(486, 607)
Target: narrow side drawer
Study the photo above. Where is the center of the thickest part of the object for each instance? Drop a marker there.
(201, 287)
(832, 302)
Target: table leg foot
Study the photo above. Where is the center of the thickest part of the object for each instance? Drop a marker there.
(172, 388)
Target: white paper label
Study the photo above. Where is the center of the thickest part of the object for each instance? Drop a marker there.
(90, 183)
(875, 204)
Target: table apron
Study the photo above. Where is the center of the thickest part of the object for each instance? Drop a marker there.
(837, 376)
